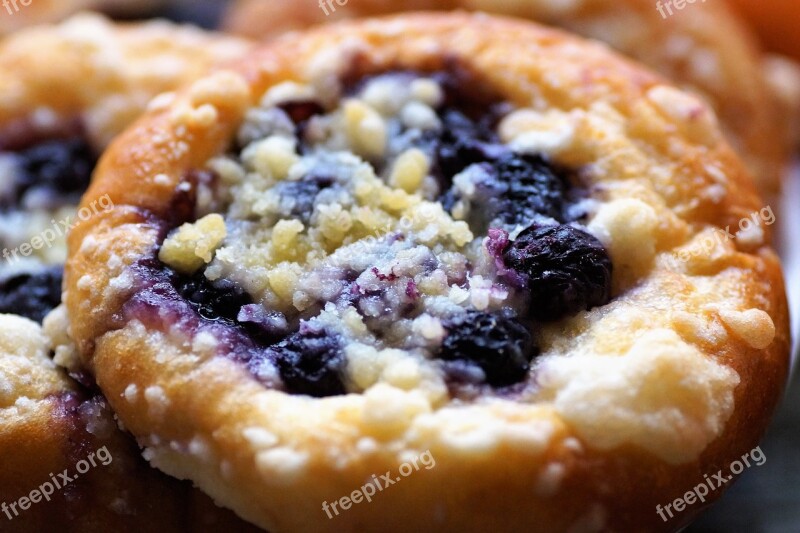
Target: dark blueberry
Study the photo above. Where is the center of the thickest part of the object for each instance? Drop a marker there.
(461, 143)
(498, 343)
(311, 362)
(565, 269)
(220, 300)
(514, 190)
(304, 193)
(32, 295)
(527, 186)
(63, 167)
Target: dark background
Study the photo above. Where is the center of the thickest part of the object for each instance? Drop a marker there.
(765, 499)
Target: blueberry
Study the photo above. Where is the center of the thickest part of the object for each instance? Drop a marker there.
(499, 343)
(220, 300)
(32, 295)
(528, 186)
(565, 269)
(461, 143)
(310, 362)
(63, 167)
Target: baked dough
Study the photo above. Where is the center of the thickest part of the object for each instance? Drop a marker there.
(703, 48)
(389, 242)
(61, 440)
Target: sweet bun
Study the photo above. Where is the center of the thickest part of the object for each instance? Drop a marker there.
(471, 265)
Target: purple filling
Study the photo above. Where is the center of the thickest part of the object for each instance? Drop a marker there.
(559, 269)
(245, 332)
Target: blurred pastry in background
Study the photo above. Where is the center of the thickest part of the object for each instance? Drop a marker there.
(775, 21)
(65, 92)
(783, 75)
(704, 48)
(16, 14)
(776, 24)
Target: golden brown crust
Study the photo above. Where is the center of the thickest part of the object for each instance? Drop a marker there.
(48, 424)
(703, 48)
(710, 332)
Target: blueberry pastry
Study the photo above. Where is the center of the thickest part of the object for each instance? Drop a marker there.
(704, 48)
(66, 465)
(65, 91)
(432, 273)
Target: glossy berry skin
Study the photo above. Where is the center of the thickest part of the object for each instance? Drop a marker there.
(310, 362)
(498, 343)
(218, 301)
(463, 142)
(565, 269)
(32, 295)
(525, 187)
(518, 189)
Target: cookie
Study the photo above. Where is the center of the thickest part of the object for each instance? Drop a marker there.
(703, 48)
(433, 273)
(65, 91)
(65, 462)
